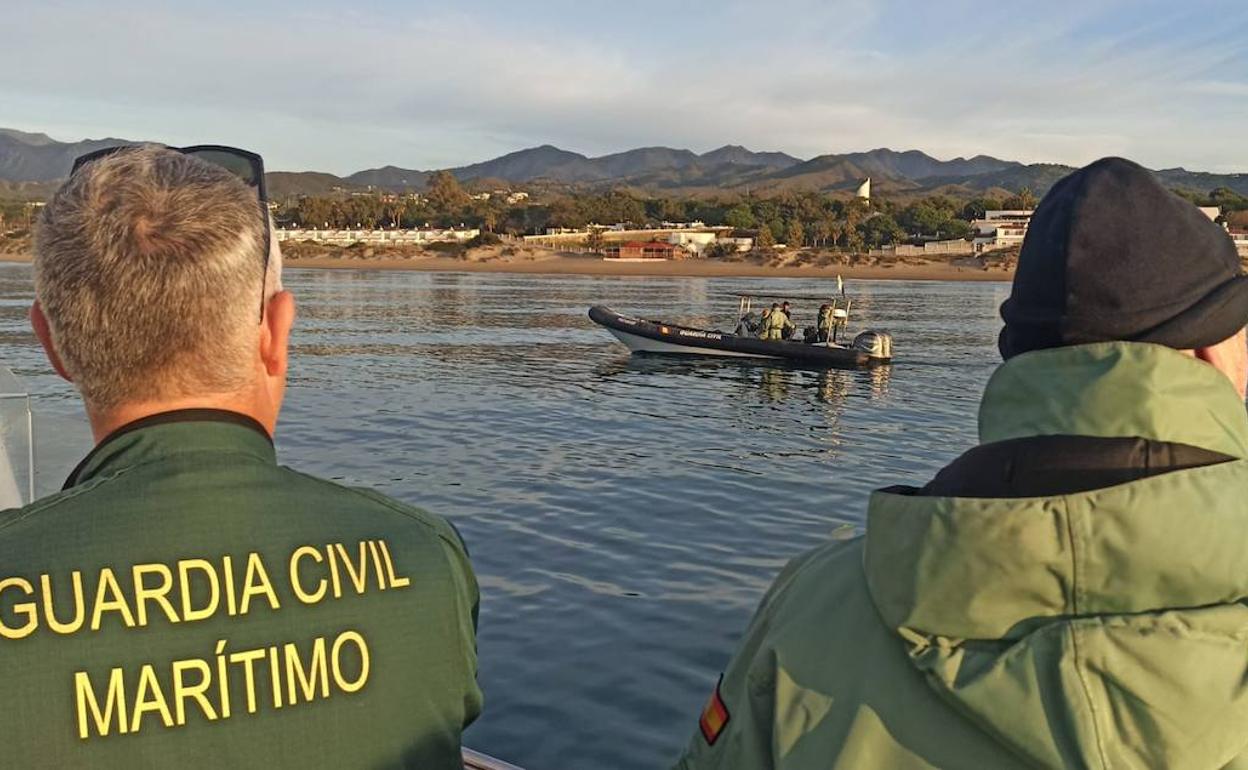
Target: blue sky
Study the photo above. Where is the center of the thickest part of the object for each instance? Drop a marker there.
(345, 86)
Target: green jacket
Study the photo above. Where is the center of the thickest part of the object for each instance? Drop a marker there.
(774, 325)
(188, 602)
(1103, 629)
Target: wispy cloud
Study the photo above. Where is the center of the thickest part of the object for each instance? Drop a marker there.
(319, 86)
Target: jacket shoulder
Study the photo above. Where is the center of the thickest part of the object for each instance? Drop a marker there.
(818, 681)
(433, 523)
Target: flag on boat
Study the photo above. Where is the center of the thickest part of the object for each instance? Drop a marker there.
(840, 285)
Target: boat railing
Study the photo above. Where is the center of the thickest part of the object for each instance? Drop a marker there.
(475, 760)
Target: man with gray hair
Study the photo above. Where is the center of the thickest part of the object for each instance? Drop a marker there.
(186, 600)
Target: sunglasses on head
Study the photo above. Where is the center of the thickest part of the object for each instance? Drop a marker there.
(247, 166)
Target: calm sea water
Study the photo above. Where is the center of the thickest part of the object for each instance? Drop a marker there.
(624, 515)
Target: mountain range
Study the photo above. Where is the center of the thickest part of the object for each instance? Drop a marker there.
(31, 162)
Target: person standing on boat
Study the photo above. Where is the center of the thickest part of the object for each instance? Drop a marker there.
(186, 600)
(788, 330)
(824, 324)
(775, 322)
(1070, 593)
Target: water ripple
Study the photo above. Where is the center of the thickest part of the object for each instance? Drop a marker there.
(624, 515)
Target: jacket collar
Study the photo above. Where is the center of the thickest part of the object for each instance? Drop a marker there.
(985, 568)
(1071, 625)
(176, 432)
(1115, 389)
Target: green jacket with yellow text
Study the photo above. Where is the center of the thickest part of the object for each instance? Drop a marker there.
(187, 602)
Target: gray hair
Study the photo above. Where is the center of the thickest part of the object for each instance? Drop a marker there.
(148, 266)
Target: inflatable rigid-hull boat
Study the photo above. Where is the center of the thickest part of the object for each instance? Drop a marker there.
(642, 336)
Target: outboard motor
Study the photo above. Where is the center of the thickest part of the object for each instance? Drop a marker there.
(878, 345)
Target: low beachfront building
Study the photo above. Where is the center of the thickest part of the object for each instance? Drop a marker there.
(743, 243)
(380, 237)
(695, 242)
(563, 238)
(642, 251)
(1000, 229)
(946, 248)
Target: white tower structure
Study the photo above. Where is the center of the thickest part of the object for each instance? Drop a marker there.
(864, 190)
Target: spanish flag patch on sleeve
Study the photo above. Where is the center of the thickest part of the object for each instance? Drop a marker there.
(715, 716)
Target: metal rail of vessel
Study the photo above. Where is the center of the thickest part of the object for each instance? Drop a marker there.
(475, 760)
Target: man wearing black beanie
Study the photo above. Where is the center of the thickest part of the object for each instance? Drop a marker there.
(1073, 592)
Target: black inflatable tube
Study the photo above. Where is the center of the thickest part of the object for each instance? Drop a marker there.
(841, 358)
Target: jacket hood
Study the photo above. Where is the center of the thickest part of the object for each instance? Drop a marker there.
(1104, 629)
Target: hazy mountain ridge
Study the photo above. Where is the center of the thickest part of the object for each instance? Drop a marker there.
(553, 164)
(36, 158)
(883, 162)
(26, 157)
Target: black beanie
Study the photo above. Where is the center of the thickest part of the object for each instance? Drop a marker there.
(1111, 254)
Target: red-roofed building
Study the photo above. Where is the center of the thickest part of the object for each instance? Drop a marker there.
(632, 250)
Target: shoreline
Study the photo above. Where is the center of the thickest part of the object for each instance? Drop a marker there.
(588, 266)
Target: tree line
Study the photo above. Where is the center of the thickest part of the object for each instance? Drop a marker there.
(808, 219)
(1223, 197)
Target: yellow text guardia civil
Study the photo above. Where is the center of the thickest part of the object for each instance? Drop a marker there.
(189, 590)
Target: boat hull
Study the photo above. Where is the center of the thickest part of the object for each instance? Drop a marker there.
(656, 337)
(640, 344)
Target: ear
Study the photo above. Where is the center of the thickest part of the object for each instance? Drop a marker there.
(279, 317)
(39, 322)
(1230, 356)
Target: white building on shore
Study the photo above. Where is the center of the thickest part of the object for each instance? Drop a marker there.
(694, 242)
(1001, 229)
(379, 237)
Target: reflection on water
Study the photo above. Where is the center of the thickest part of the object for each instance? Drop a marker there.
(773, 379)
(624, 514)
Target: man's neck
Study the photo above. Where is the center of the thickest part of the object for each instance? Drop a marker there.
(105, 422)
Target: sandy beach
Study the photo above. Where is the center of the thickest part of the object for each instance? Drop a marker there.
(547, 261)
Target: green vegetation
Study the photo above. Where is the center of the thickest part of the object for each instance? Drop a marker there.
(16, 214)
(484, 238)
(444, 192)
(1223, 197)
(797, 219)
(720, 250)
(765, 243)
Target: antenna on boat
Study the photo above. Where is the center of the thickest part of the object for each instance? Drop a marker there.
(840, 316)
